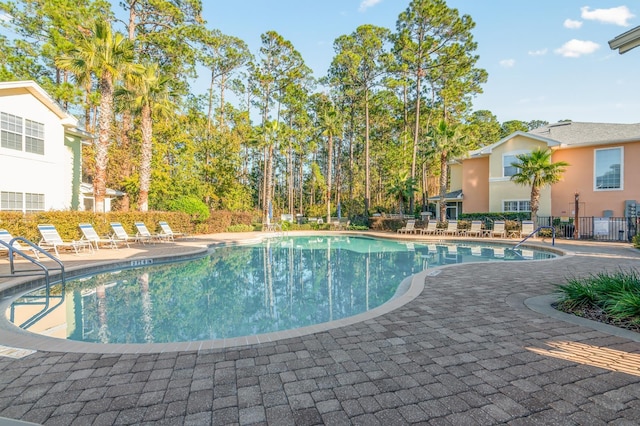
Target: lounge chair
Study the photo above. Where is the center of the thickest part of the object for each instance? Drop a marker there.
(120, 234)
(168, 233)
(431, 229)
(452, 228)
(475, 230)
(51, 239)
(410, 227)
(527, 228)
(6, 237)
(498, 229)
(89, 234)
(144, 234)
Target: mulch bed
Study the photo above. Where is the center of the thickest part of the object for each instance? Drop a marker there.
(595, 313)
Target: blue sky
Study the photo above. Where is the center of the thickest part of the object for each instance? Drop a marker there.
(547, 60)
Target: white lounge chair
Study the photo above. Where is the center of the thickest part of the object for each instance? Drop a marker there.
(431, 229)
(121, 234)
(452, 228)
(51, 239)
(168, 233)
(498, 229)
(89, 234)
(527, 228)
(144, 234)
(410, 227)
(6, 237)
(475, 230)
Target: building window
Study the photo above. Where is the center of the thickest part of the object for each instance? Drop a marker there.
(507, 169)
(33, 137)
(11, 201)
(34, 202)
(17, 201)
(608, 169)
(516, 206)
(10, 131)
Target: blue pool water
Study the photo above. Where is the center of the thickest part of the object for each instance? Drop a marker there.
(275, 285)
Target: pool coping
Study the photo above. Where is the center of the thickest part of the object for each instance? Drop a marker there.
(410, 288)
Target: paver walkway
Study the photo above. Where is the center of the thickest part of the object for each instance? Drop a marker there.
(466, 351)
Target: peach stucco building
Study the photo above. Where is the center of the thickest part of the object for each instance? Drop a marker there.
(604, 170)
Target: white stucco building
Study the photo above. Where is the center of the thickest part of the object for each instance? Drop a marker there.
(40, 151)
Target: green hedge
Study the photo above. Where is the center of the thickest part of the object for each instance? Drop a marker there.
(66, 222)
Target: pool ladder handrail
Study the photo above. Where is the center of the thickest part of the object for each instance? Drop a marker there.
(43, 269)
(553, 235)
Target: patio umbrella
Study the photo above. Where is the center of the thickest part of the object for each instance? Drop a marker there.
(270, 211)
(339, 212)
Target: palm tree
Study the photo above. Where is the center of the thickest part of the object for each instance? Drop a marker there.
(402, 188)
(446, 142)
(535, 169)
(149, 94)
(104, 55)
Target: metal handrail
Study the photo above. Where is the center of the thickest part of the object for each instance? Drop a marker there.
(553, 235)
(43, 269)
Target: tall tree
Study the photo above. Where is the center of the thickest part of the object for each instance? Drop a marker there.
(360, 62)
(434, 42)
(151, 97)
(107, 56)
(280, 65)
(447, 142)
(509, 127)
(535, 169)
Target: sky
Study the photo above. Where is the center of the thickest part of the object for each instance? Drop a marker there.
(546, 60)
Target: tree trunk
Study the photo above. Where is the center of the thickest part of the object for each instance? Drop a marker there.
(367, 171)
(145, 160)
(329, 171)
(535, 204)
(443, 185)
(104, 140)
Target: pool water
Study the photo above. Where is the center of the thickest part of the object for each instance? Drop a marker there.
(279, 284)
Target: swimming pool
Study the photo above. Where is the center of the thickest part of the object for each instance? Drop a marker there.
(278, 284)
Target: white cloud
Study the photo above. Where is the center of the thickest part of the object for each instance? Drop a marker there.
(615, 15)
(571, 24)
(507, 63)
(366, 4)
(576, 48)
(539, 52)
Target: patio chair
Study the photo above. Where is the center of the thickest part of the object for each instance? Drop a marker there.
(120, 234)
(475, 230)
(498, 229)
(89, 234)
(452, 228)
(51, 239)
(431, 229)
(6, 237)
(410, 227)
(144, 234)
(527, 228)
(167, 232)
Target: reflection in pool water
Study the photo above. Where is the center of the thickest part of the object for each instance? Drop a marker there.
(279, 284)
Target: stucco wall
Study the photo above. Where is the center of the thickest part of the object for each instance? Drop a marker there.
(580, 177)
(49, 174)
(475, 185)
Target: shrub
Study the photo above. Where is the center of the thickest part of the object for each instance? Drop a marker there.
(240, 228)
(193, 206)
(636, 241)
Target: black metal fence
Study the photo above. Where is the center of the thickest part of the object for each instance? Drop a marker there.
(594, 228)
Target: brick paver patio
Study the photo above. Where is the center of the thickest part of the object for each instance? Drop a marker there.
(466, 351)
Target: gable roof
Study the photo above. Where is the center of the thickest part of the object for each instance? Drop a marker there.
(487, 150)
(572, 134)
(626, 41)
(31, 87)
